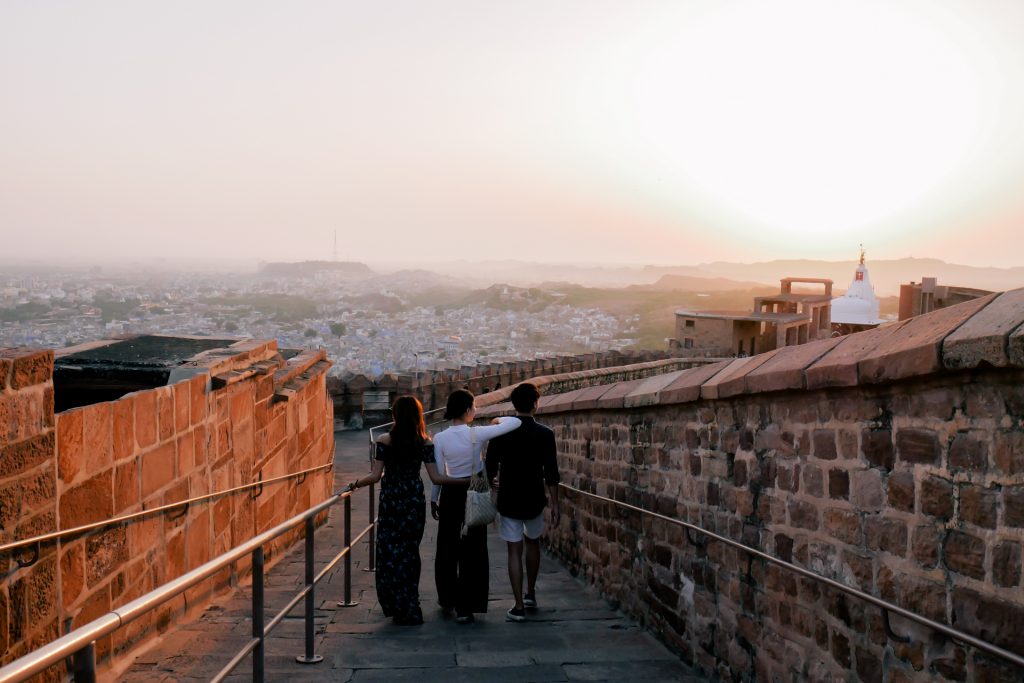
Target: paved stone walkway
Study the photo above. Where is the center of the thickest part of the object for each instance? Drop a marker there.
(573, 636)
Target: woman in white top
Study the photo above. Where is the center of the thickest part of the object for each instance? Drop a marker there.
(461, 566)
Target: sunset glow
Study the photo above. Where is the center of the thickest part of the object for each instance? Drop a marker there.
(678, 132)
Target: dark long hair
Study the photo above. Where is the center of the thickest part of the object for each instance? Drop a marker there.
(409, 430)
(459, 403)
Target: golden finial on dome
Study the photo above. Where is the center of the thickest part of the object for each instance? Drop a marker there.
(862, 254)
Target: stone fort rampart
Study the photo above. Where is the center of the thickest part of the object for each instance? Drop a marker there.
(244, 413)
(891, 461)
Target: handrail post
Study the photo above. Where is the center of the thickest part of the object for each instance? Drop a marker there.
(372, 538)
(257, 614)
(348, 556)
(310, 657)
(85, 664)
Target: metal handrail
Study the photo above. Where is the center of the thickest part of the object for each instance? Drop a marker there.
(849, 590)
(388, 424)
(83, 638)
(75, 531)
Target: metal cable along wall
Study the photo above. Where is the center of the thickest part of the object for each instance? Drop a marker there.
(885, 606)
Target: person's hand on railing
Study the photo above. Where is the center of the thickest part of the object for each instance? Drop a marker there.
(435, 511)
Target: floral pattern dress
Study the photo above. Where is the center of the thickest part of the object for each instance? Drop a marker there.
(400, 522)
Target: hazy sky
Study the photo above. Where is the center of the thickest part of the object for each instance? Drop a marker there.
(630, 131)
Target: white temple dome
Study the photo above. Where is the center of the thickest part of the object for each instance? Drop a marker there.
(859, 306)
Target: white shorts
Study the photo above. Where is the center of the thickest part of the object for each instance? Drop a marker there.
(513, 530)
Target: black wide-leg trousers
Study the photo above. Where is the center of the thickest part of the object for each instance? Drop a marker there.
(461, 568)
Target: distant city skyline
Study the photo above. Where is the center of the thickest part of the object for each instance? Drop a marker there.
(663, 133)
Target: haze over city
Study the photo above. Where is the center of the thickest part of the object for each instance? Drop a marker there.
(656, 132)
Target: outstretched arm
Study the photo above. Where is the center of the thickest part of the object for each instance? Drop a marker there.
(440, 479)
(372, 478)
(504, 426)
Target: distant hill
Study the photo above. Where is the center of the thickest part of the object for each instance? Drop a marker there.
(690, 283)
(304, 268)
(886, 275)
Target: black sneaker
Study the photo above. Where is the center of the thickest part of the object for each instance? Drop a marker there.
(530, 601)
(517, 615)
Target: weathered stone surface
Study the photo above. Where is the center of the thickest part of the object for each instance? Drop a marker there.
(978, 505)
(839, 484)
(730, 380)
(648, 391)
(1013, 506)
(20, 456)
(968, 452)
(965, 554)
(838, 367)
(876, 445)
(30, 367)
(70, 440)
(1015, 347)
(982, 339)
(560, 402)
(866, 492)
(988, 617)
(588, 398)
(900, 491)
(615, 397)
(914, 349)
(687, 386)
(937, 497)
(1008, 451)
(1006, 564)
(90, 501)
(918, 446)
(785, 370)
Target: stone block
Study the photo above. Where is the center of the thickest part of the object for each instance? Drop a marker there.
(559, 403)
(978, 505)
(105, 553)
(123, 428)
(937, 497)
(876, 445)
(886, 534)
(198, 392)
(31, 368)
(803, 515)
(1008, 451)
(844, 525)
(1015, 347)
(925, 545)
(97, 445)
(731, 380)
(866, 491)
(686, 387)
(70, 442)
(164, 412)
(915, 348)
(982, 339)
(182, 406)
(900, 491)
(814, 484)
(157, 468)
(1006, 564)
(24, 455)
(988, 617)
(90, 501)
(615, 397)
(824, 441)
(917, 594)
(146, 418)
(588, 398)
(968, 452)
(785, 370)
(72, 573)
(839, 484)
(918, 447)
(126, 486)
(838, 367)
(965, 554)
(1013, 506)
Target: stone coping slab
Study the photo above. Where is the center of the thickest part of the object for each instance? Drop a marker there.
(915, 348)
(785, 370)
(983, 338)
(985, 331)
(647, 393)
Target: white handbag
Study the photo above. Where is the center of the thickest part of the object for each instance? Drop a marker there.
(480, 507)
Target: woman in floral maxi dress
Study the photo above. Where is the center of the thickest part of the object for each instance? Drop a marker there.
(402, 511)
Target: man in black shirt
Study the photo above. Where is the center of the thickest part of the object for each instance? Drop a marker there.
(520, 465)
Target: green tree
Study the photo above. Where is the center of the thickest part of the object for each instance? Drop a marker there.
(230, 326)
(310, 332)
(338, 329)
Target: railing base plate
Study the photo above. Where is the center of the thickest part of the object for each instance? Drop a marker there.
(347, 604)
(315, 659)
(367, 569)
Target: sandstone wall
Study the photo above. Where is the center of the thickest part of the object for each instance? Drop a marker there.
(244, 413)
(891, 461)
